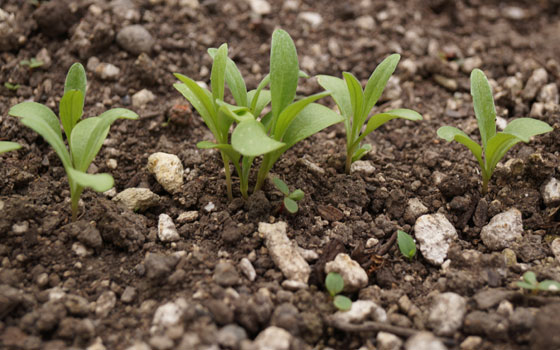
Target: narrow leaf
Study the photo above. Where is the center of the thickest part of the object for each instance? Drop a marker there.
(232, 154)
(497, 148)
(406, 244)
(234, 80)
(382, 118)
(76, 80)
(71, 110)
(360, 152)
(200, 100)
(256, 97)
(54, 139)
(310, 121)
(290, 205)
(263, 100)
(297, 195)
(334, 283)
(218, 74)
(291, 111)
(250, 139)
(378, 80)
(37, 110)
(484, 109)
(6, 146)
(283, 71)
(525, 128)
(450, 133)
(97, 182)
(339, 93)
(281, 185)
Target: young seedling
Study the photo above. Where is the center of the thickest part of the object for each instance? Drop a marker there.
(290, 198)
(11, 86)
(355, 105)
(494, 145)
(85, 137)
(530, 283)
(32, 63)
(406, 244)
(335, 284)
(269, 135)
(7, 146)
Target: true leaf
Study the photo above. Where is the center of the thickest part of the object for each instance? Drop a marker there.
(284, 71)
(334, 283)
(200, 100)
(381, 118)
(281, 185)
(342, 303)
(291, 111)
(339, 93)
(549, 286)
(406, 244)
(71, 110)
(483, 103)
(297, 195)
(291, 205)
(37, 110)
(6, 146)
(309, 121)
(76, 80)
(360, 152)
(378, 80)
(218, 74)
(530, 277)
(263, 100)
(356, 99)
(450, 133)
(234, 80)
(97, 182)
(250, 139)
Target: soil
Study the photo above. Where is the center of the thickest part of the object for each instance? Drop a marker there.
(62, 286)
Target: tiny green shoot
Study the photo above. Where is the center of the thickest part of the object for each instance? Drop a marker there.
(406, 244)
(32, 63)
(11, 86)
(494, 145)
(7, 146)
(84, 136)
(290, 198)
(355, 105)
(335, 284)
(530, 282)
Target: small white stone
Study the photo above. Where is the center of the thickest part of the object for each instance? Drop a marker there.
(363, 167)
(112, 192)
(139, 346)
(137, 199)
(97, 345)
(169, 314)
(167, 232)
(80, 250)
(142, 98)
(354, 276)
(424, 341)
(414, 209)
(447, 313)
(308, 254)
(20, 228)
(535, 82)
(273, 338)
(188, 216)
(283, 253)
(372, 242)
(248, 270)
(502, 230)
(408, 66)
(294, 285)
(501, 123)
(360, 311)
(313, 18)
(107, 71)
(549, 94)
(555, 247)
(111, 163)
(434, 234)
(365, 22)
(260, 7)
(168, 170)
(551, 192)
(471, 63)
(388, 341)
(105, 303)
(472, 342)
(209, 207)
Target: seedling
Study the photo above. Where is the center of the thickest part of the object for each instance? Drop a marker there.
(406, 244)
(530, 283)
(11, 86)
(7, 146)
(494, 145)
(290, 198)
(254, 135)
(32, 63)
(335, 284)
(85, 137)
(355, 105)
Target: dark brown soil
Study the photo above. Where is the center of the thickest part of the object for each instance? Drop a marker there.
(51, 298)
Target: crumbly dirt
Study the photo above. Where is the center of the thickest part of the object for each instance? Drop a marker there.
(56, 276)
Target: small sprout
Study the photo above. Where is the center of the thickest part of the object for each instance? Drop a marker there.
(32, 63)
(7, 146)
(11, 86)
(406, 244)
(494, 145)
(335, 284)
(84, 136)
(290, 198)
(530, 283)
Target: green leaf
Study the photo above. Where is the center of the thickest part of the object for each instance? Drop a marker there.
(334, 283)
(89, 134)
(234, 80)
(339, 93)
(256, 97)
(297, 195)
(379, 119)
(233, 112)
(263, 101)
(549, 286)
(284, 71)
(200, 100)
(250, 139)
(97, 182)
(360, 152)
(227, 149)
(37, 110)
(281, 185)
(525, 128)
(526, 285)
(497, 148)
(218, 74)
(6, 146)
(290, 205)
(342, 303)
(377, 82)
(310, 121)
(71, 110)
(406, 244)
(450, 133)
(291, 111)
(484, 109)
(76, 80)
(356, 99)
(530, 277)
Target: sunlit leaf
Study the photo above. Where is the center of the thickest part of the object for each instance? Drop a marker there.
(334, 283)
(406, 244)
(483, 103)
(7, 146)
(284, 71)
(342, 303)
(250, 139)
(97, 182)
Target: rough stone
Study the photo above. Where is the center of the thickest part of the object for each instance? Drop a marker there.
(169, 314)
(472, 342)
(283, 253)
(167, 232)
(551, 192)
(159, 265)
(388, 341)
(502, 230)
(142, 98)
(414, 209)
(555, 247)
(135, 39)
(360, 311)
(137, 199)
(362, 167)
(168, 170)
(312, 18)
(188, 216)
(105, 303)
(273, 338)
(434, 234)
(128, 295)
(247, 268)
(535, 83)
(424, 341)
(106, 71)
(447, 313)
(225, 274)
(231, 336)
(355, 277)
(260, 7)
(545, 335)
(548, 94)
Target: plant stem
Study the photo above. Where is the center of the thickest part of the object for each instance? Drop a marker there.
(348, 163)
(484, 186)
(225, 159)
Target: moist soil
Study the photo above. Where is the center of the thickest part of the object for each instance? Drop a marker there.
(97, 283)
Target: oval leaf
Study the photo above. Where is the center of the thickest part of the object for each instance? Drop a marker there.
(525, 128)
(297, 195)
(310, 121)
(334, 283)
(483, 103)
(97, 182)
(284, 71)
(290, 205)
(406, 244)
(250, 139)
(281, 185)
(339, 93)
(76, 80)
(342, 303)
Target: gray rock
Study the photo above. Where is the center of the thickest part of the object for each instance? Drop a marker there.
(10, 298)
(125, 10)
(365, 22)
(128, 295)
(535, 83)
(283, 253)
(314, 19)
(414, 209)
(488, 298)
(135, 39)
(225, 274)
(551, 192)
(360, 311)
(273, 338)
(388, 341)
(169, 314)
(139, 346)
(434, 234)
(471, 63)
(167, 232)
(90, 236)
(188, 216)
(260, 7)
(106, 71)
(287, 316)
(555, 247)
(158, 265)
(142, 98)
(168, 170)
(447, 313)
(231, 336)
(545, 335)
(137, 199)
(490, 324)
(502, 230)
(548, 94)
(362, 167)
(161, 342)
(248, 270)
(105, 304)
(424, 341)
(472, 342)
(355, 277)
(76, 305)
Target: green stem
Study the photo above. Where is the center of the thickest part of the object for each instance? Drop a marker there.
(225, 159)
(75, 193)
(348, 163)
(485, 185)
